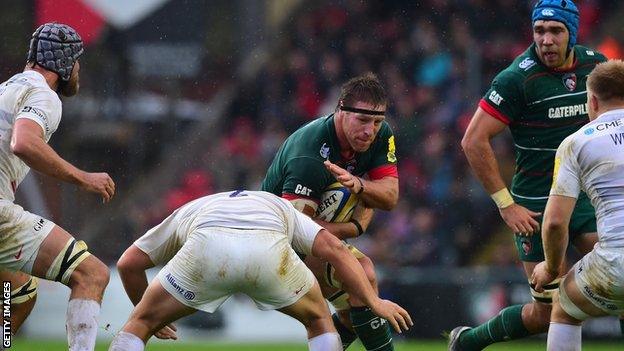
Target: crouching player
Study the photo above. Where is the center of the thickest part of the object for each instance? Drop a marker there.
(239, 242)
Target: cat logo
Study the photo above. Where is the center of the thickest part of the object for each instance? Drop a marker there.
(495, 98)
(302, 190)
(324, 151)
(569, 81)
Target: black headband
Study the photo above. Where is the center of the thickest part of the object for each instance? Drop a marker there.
(362, 111)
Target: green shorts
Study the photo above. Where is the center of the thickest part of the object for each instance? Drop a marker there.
(583, 221)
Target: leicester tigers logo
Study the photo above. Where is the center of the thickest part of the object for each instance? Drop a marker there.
(527, 247)
(569, 81)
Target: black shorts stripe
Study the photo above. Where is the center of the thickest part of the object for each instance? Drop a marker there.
(336, 295)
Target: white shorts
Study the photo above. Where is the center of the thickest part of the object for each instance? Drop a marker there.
(21, 234)
(600, 277)
(215, 263)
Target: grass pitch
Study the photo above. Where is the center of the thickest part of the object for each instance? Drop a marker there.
(421, 345)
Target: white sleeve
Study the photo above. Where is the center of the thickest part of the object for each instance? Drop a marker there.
(566, 174)
(43, 107)
(162, 242)
(304, 232)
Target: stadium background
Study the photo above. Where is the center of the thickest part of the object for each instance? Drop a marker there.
(184, 98)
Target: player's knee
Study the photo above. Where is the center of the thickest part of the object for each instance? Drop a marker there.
(317, 322)
(124, 264)
(91, 273)
(536, 316)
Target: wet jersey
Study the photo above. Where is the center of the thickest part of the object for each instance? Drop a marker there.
(25, 95)
(297, 171)
(541, 107)
(241, 209)
(592, 160)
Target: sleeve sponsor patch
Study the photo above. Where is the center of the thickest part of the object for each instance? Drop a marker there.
(495, 98)
(39, 113)
(391, 150)
(527, 63)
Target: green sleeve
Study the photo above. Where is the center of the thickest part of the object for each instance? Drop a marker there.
(505, 98)
(305, 176)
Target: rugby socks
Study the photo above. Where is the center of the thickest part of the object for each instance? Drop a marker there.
(82, 324)
(564, 337)
(622, 325)
(127, 342)
(346, 335)
(507, 325)
(374, 332)
(323, 342)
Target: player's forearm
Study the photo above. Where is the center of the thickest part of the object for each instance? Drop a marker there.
(555, 239)
(340, 230)
(38, 155)
(484, 164)
(352, 275)
(134, 282)
(382, 193)
(131, 267)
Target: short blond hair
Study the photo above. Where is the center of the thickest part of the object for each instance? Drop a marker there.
(606, 81)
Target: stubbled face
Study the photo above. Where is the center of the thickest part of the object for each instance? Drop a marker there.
(551, 39)
(361, 129)
(71, 87)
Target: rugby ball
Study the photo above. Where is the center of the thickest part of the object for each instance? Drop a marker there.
(337, 204)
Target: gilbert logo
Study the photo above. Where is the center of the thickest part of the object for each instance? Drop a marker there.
(548, 12)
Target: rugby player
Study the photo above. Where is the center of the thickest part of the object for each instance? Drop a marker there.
(240, 242)
(590, 160)
(541, 97)
(30, 112)
(355, 146)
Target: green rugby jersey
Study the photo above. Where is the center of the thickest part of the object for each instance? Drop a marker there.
(541, 107)
(298, 170)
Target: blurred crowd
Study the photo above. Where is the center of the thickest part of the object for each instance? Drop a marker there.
(436, 58)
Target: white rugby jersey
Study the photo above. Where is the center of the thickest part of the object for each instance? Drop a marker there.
(25, 95)
(592, 160)
(247, 210)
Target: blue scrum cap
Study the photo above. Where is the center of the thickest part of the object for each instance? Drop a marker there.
(564, 11)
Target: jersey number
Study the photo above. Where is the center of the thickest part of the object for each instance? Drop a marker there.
(238, 193)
